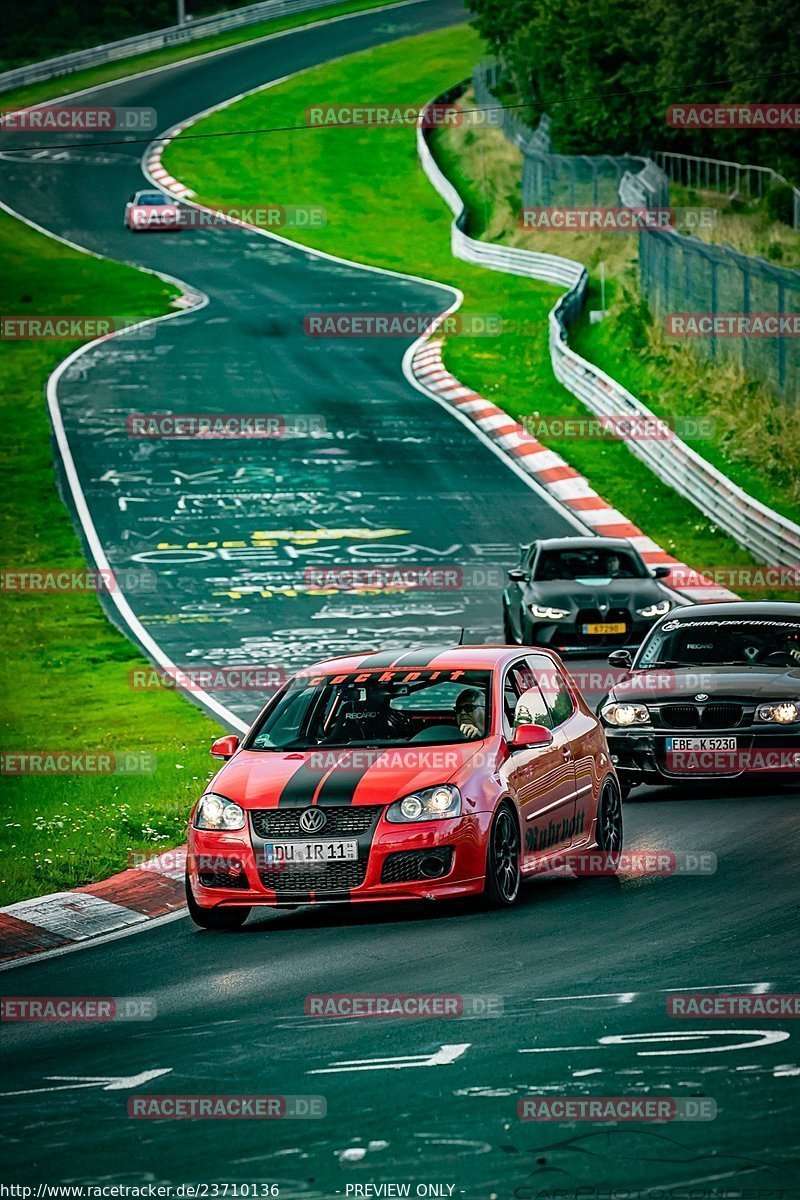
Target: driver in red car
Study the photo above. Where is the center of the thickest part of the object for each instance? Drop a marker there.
(471, 713)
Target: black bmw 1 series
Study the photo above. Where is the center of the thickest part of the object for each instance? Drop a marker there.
(713, 693)
(581, 595)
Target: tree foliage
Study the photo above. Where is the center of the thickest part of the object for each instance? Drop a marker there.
(38, 29)
(606, 70)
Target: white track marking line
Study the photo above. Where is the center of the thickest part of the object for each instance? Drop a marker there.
(750, 1039)
(621, 997)
(628, 997)
(443, 1057)
(109, 1083)
(554, 1049)
(762, 1037)
(146, 640)
(81, 507)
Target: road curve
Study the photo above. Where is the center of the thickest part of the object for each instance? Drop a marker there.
(390, 459)
(575, 963)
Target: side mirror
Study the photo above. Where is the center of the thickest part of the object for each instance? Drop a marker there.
(620, 658)
(225, 747)
(661, 572)
(519, 575)
(531, 735)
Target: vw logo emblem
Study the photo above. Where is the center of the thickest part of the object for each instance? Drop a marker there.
(313, 820)
(701, 696)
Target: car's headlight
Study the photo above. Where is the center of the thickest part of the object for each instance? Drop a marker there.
(215, 812)
(543, 613)
(655, 610)
(428, 804)
(625, 714)
(784, 712)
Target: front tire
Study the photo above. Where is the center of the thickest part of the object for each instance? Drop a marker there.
(609, 820)
(508, 632)
(215, 918)
(503, 873)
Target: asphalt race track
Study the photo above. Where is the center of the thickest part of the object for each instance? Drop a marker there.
(390, 460)
(582, 967)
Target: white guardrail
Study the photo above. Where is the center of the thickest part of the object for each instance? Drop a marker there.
(157, 39)
(721, 175)
(771, 538)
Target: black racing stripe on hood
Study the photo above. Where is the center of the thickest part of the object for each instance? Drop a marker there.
(298, 791)
(341, 784)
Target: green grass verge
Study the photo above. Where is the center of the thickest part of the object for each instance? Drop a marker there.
(108, 72)
(65, 667)
(382, 210)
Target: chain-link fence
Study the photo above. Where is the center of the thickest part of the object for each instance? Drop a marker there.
(574, 180)
(726, 304)
(485, 79)
(730, 307)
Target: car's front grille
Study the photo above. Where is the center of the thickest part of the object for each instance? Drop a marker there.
(409, 865)
(721, 716)
(680, 716)
(692, 716)
(327, 877)
(342, 820)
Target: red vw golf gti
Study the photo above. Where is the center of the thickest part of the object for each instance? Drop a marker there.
(416, 775)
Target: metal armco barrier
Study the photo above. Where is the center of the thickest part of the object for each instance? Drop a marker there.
(769, 536)
(158, 39)
(720, 175)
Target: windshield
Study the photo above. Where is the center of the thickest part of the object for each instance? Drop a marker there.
(723, 641)
(588, 564)
(152, 198)
(378, 708)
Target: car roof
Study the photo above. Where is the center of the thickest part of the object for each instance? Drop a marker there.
(739, 608)
(419, 658)
(584, 543)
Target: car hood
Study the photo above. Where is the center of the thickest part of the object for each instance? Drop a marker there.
(684, 683)
(264, 779)
(614, 593)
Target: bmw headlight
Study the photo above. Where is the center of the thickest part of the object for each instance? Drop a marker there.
(215, 812)
(543, 613)
(428, 804)
(625, 714)
(784, 712)
(655, 610)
